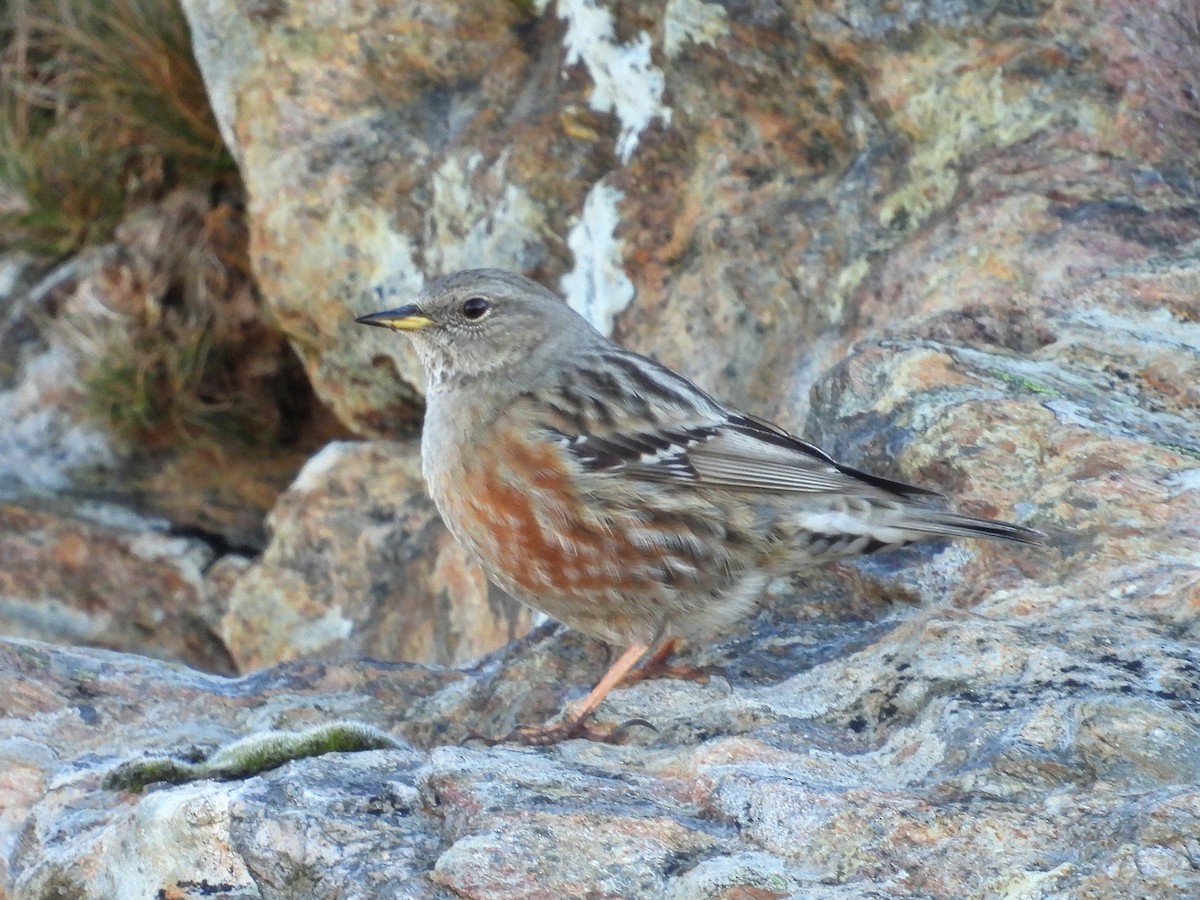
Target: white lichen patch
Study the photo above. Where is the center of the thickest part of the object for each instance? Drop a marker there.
(1182, 482)
(396, 276)
(262, 605)
(692, 22)
(314, 636)
(393, 281)
(626, 82)
(597, 287)
(188, 557)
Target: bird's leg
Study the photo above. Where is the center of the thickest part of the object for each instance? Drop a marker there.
(654, 663)
(617, 673)
(574, 724)
(657, 665)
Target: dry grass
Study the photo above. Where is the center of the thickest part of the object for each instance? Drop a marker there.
(176, 347)
(107, 140)
(102, 108)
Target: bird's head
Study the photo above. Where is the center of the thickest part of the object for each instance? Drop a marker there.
(481, 322)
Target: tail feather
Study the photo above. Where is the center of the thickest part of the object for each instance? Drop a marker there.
(865, 526)
(944, 523)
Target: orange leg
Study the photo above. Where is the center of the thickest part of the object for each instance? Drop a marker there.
(574, 724)
(655, 663)
(616, 674)
(658, 665)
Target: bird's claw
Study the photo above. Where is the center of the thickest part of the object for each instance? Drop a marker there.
(571, 729)
(661, 669)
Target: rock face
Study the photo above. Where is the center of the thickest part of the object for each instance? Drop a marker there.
(954, 243)
(967, 721)
(119, 542)
(742, 190)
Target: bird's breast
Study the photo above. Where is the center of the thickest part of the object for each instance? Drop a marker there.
(514, 503)
(608, 557)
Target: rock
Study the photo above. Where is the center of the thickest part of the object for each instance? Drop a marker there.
(184, 843)
(110, 580)
(950, 720)
(149, 363)
(180, 362)
(514, 824)
(947, 240)
(105, 541)
(667, 167)
(17, 332)
(459, 143)
(46, 442)
(947, 721)
(359, 564)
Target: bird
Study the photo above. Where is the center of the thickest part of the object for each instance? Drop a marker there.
(609, 492)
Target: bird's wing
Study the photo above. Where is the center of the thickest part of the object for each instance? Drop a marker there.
(632, 416)
(738, 452)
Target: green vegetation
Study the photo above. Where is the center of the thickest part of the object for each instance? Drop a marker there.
(1022, 383)
(250, 756)
(184, 353)
(1181, 449)
(102, 108)
(108, 141)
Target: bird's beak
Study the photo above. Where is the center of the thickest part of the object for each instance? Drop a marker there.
(407, 318)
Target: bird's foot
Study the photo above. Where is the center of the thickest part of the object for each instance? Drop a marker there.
(658, 665)
(569, 729)
(655, 669)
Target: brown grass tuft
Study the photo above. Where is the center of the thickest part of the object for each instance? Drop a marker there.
(102, 109)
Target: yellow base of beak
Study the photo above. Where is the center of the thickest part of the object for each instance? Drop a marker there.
(406, 318)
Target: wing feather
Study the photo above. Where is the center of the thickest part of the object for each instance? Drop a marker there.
(735, 453)
(626, 413)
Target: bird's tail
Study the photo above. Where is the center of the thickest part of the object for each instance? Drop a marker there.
(927, 522)
(857, 525)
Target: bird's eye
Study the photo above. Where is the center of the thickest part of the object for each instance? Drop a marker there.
(475, 307)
